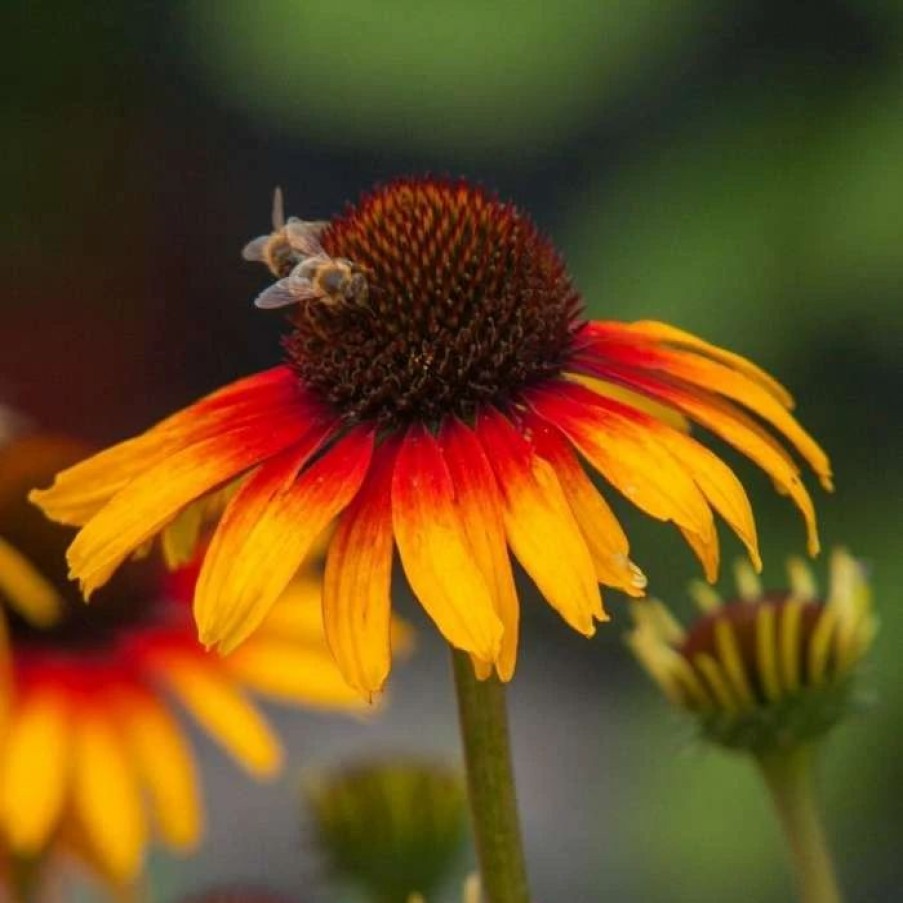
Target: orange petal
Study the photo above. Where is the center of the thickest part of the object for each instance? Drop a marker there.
(604, 537)
(79, 492)
(145, 505)
(478, 498)
(434, 550)
(726, 422)
(293, 672)
(34, 770)
(713, 376)
(106, 795)
(721, 487)
(716, 481)
(25, 589)
(216, 701)
(618, 443)
(732, 425)
(540, 526)
(663, 332)
(216, 583)
(356, 585)
(266, 531)
(665, 413)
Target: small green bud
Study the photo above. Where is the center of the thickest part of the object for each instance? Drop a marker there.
(394, 827)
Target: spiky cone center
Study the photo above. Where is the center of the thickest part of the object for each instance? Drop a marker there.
(467, 305)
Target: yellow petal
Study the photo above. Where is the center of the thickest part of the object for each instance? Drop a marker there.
(731, 659)
(291, 672)
(767, 651)
(604, 536)
(619, 443)
(213, 698)
(540, 526)
(721, 488)
(154, 498)
(106, 795)
(741, 431)
(731, 426)
(480, 505)
(179, 537)
(356, 586)
(79, 492)
(34, 770)
(675, 336)
(706, 548)
(266, 532)
(434, 551)
(166, 766)
(665, 413)
(297, 613)
(26, 589)
(736, 386)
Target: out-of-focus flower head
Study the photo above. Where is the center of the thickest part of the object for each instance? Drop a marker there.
(392, 827)
(91, 754)
(768, 670)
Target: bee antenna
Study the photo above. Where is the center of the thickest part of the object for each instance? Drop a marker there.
(278, 209)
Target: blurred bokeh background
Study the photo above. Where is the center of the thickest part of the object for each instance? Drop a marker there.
(735, 168)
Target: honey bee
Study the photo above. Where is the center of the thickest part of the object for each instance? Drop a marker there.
(308, 276)
(334, 281)
(290, 242)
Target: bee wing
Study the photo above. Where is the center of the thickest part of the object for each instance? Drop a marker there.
(277, 295)
(301, 286)
(278, 209)
(253, 250)
(304, 236)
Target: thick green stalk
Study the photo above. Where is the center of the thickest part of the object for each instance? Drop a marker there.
(789, 779)
(490, 780)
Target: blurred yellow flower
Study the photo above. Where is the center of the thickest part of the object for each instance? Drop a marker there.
(92, 755)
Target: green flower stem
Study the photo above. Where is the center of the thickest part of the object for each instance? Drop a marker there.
(490, 780)
(789, 779)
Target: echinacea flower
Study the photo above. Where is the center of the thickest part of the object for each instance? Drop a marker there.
(769, 674)
(769, 670)
(447, 416)
(92, 758)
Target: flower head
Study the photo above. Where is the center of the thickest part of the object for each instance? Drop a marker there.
(420, 811)
(91, 753)
(446, 417)
(768, 670)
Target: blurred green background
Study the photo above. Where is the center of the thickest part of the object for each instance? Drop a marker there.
(735, 168)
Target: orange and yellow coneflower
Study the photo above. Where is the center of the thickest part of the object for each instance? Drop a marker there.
(452, 417)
